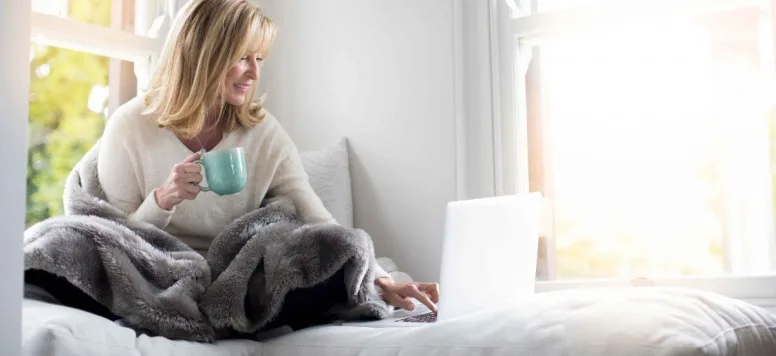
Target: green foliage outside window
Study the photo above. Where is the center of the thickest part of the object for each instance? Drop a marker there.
(62, 126)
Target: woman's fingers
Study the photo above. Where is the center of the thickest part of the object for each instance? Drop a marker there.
(192, 178)
(192, 188)
(181, 184)
(399, 295)
(398, 301)
(191, 167)
(193, 157)
(413, 291)
(431, 289)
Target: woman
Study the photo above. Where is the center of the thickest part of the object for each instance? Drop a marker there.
(200, 100)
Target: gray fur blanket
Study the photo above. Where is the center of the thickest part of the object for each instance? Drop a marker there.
(154, 282)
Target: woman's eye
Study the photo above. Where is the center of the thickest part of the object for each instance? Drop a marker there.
(258, 59)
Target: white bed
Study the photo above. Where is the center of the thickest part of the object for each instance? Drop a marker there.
(622, 321)
(612, 322)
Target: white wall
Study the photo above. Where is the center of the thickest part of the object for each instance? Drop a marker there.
(14, 99)
(382, 74)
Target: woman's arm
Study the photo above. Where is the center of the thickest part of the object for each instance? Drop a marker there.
(118, 177)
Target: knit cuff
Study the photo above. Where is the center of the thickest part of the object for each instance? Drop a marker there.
(150, 212)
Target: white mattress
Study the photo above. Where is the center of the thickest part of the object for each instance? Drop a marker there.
(628, 321)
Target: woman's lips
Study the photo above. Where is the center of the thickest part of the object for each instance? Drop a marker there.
(242, 88)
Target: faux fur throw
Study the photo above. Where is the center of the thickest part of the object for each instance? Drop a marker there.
(154, 282)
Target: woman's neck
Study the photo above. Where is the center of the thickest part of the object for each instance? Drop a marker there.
(212, 120)
(212, 133)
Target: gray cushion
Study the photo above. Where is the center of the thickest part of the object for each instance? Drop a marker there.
(329, 172)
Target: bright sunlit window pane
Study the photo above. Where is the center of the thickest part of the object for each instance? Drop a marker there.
(658, 142)
(70, 96)
(548, 6)
(97, 12)
(558, 5)
(68, 106)
(101, 12)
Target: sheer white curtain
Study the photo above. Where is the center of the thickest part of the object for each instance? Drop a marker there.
(742, 47)
(154, 18)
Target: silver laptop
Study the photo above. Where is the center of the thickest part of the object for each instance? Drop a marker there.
(488, 259)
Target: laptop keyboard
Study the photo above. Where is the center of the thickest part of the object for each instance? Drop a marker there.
(430, 317)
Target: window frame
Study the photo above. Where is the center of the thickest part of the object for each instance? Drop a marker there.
(123, 42)
(511, 30)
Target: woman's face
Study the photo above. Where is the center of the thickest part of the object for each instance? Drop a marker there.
(241, 77)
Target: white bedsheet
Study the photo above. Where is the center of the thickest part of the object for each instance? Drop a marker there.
(629, 321)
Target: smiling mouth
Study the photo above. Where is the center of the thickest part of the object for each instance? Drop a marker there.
(243, 87)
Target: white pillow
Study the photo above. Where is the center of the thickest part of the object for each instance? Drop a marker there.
(329, 172)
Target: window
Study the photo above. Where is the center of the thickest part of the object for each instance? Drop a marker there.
(87, 57)
(649, 128)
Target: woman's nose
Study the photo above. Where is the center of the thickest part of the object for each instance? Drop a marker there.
(253, 70)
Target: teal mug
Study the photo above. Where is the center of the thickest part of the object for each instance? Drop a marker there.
(225, 170)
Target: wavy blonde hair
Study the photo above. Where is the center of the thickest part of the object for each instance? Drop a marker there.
(207, 38)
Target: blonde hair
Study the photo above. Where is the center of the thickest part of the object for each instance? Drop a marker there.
(207, 38)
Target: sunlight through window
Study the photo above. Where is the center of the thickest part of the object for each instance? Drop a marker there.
(657, 147)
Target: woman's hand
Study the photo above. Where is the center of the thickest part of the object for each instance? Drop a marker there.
(182, 184)
(399, 294)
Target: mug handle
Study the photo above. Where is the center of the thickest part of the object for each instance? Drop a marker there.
(201, 163)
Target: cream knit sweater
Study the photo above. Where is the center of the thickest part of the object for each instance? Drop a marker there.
(137, 156)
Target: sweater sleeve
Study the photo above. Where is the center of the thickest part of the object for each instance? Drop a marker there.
(118, 177)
